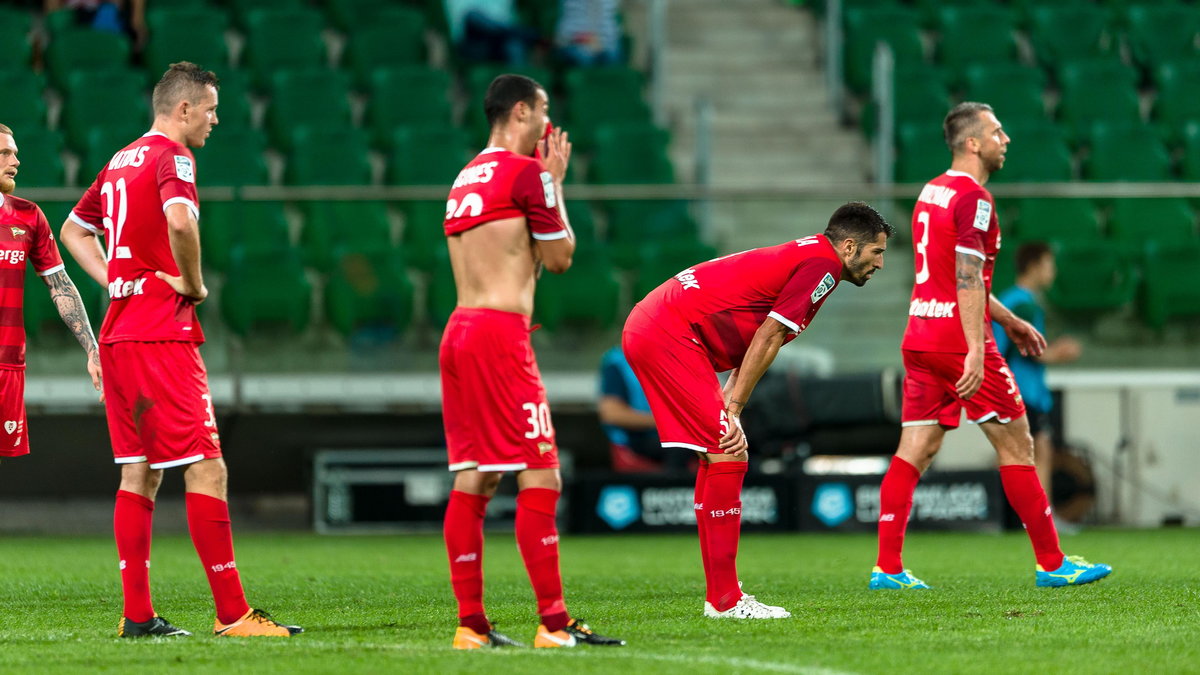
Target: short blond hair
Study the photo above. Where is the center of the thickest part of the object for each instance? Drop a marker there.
(5, 130)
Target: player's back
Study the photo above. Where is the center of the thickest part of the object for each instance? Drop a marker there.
(127, 205)
(954, 214)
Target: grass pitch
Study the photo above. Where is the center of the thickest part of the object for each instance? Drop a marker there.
(383, 605)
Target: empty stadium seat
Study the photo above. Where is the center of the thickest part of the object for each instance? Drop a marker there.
(1127, 153)
(244, 9)
(583, 222)
(632, 153)
(232, 157)
(919, 94)
(394, 92)
(24, 108)
(84, 50)
(426, 155)
(634, 224)
(1056, 219)
(1176, 103)
(424, 236)
(1068, 31)
(256, 228)
(865, 28)
(1038, 152)
(1172, 282)
(368, 288)
(125, 103)
(283, 39)
(265, 291)
(328, 225)
(308, 97)
(587, 296)
(1093, 276)
(195, 34)
(975, 34)
(921, 152)
(396, 38)
(441, 295)
(1168, 220)
(1014, 90)
(328, 156)
(16, 26)
(1097, 90)
(1189, 165)
(600, 96)
(1159, 33)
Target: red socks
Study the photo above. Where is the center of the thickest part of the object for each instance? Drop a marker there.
(722, 517)
(701, 479)
(895, 503)
(463, 532)
(537, 539)
(1028, 499)
(132, 522)
(208, 523)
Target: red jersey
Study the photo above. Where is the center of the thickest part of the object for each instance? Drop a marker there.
(24, 235)
(499, 184)
(127, 204)
(954, 214)
(725, 300)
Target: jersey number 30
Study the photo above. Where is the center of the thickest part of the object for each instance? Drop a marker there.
(472, 205)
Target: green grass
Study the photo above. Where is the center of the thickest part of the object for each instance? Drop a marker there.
(383, 605)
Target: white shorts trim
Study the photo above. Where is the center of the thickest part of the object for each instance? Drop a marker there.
(177, 462)
(53, 270)
(787, 322)
(1001, 420)
(459, 466)
(186, 202)
(129, 460)
(516, 466)
(550, 236)
(83, 223)
(688, 446)
(919, 423)
(970, 251)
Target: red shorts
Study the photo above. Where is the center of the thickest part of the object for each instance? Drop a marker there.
(158, 404)
(493, 402)
(14, 442)
(680, 384)
(930, 397)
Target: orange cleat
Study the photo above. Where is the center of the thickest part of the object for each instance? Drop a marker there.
(255, 623)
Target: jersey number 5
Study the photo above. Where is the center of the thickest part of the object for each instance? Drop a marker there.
(922, 245)
(108, 193)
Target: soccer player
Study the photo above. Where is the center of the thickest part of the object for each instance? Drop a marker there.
(734, 313)
(160, 413)
(950, 358)
(26, 236)
(505, 220)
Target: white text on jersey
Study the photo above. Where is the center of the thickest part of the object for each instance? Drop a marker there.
(938, 195)
(131, 157)
(480, 173)
(688, 278)
(931, 308)
(12, 256)
(121, 288)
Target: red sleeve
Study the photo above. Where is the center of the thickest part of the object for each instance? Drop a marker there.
(808, 286)
(87, 213)
(533, 193)
(177, 179)
(44, 253)
(972, 218)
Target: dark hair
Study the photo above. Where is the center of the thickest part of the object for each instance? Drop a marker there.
(857, 221)
(961, 122)
(506, 91)
(182, 81)
(1031, 253)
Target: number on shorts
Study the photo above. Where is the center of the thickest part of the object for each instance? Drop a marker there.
(538, 420)
(208, 409)
(724, 424)
(1008, 376)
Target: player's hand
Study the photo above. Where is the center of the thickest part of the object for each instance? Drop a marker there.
(1029, 340)
(556, 154)
(734, 441)
(182, 288)
(93, 368)
(972, 377)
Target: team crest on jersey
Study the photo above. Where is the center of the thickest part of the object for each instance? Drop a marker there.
(983, 215)
(184, 169)
(823, 288)
(17, 231)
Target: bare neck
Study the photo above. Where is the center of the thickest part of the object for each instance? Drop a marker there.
(172, 131)
(511, 138)
(970, 164)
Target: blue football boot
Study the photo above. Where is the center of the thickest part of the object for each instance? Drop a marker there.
(881, 580)
(1074, 571)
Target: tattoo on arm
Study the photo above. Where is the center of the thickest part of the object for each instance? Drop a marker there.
(969, 271)
(70, 308)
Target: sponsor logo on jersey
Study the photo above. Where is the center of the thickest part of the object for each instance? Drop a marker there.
(823, 288)
(12, 256)
(938, 195)
(17, 231)
(983, 215)
(688, 278)
(931, 309)
(548, 189)
(480, 173)
(184, 169)
(130, 157)
(120, 288)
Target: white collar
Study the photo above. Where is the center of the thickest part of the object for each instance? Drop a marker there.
(1, 200)
(154, 133)
(492, 149)
(961, 174)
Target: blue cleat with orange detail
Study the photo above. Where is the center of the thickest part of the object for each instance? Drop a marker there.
(1074, 571)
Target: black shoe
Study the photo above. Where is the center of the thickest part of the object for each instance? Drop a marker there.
(155, 627)
(580, 631)
(498, 639)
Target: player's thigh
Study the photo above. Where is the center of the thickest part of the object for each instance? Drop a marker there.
(1011, 440)
(929, 396)
(123, 405)
(177, 422)
(998, 397)
(682, 389)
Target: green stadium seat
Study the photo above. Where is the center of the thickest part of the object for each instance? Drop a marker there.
(256, 228)
(283, 39)
(1071, 31)
(310, 97)
(348, 15)
(632, 154)
(102, 142)
(1004, 271)
(263, 291)
(244, 9)
(234, 104)
(1014, 90)
(392, 92)
(16, 34)
(599, 96)
(586, 296)
(82, 50)
(1093, 277)
(1172, 282)
(583, 222)
(423, 235)
(396, 40)
(441, 295)
(660, 261)
(634, 224)
(24, 107)
(1167, 220)
(426, 155)
(1176, 103)
(895, 25)
(368, 289)
(232, 157)
(975, 34)
(1189, 165)
(921, 152)
(360, 225)
(1127, 153)
(920, 95)
(1056, 219)
(1097, 90)
(328, 156)
(1159, 33)
(931, 10)
(195, 34)
(125, 103)
(1038, 152)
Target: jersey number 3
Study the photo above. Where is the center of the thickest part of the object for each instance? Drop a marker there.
(922, 246)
